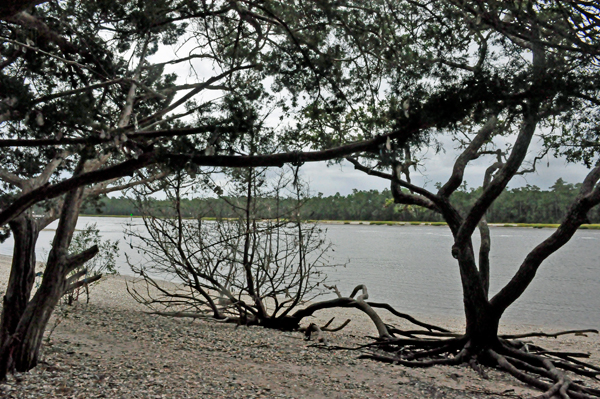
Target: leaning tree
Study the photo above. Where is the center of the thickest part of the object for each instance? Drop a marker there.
(86, 100)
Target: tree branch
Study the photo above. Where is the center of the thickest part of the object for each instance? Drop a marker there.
(588, 197)
(429, 197)
(75, 261)
(470, 153)
(8, 8)
(201, 86)
(11, 178)
(128, 167)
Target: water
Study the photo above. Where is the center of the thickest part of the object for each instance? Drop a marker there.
(411, 268)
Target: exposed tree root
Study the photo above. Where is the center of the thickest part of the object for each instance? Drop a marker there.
(411, 363)
(389, 308)
(313, 328)
(549, 371)
(414, 333)
(550, 335)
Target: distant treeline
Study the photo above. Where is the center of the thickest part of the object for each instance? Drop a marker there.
(527, 204)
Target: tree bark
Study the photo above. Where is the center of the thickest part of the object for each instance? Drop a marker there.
(25, 231)
(8, 8)
(28, 336)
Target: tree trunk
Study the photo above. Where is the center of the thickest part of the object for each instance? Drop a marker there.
(481, 325)
(25, 231)
(33, 323)
(482, 320)
(27, 338)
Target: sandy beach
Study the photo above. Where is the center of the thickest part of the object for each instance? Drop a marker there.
(112, 348)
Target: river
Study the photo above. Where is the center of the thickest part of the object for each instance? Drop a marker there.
(411, 268)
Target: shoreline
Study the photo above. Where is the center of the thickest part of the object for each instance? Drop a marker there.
(390, 223)
(113, 348)
(111, 291)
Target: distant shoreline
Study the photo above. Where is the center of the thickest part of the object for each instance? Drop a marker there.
(398, 223)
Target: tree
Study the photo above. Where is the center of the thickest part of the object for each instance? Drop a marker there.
(252, 268)
(261, 267)
(82, 97)
(81, 107)
(377, 80)
(545, 55)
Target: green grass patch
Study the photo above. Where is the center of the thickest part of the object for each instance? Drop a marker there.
(538, 225)
(110, 216)
(590, 227)
(530, 225)
(389, 222)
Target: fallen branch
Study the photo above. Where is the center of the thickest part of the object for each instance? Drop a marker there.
(341, 326)
(183, 314)
(313, 328)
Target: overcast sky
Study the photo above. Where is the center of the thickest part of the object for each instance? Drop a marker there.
(436, 168)
(432, 167)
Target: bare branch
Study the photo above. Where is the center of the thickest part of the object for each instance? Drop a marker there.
(128, 108)
(74, 261)
(427, 194)
(81, 283)
(77, 91)
(201, 86)
(588, 197)
(103, 188)
(388, 307)
(470, 153)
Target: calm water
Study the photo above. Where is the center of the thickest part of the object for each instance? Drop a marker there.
(411, 268)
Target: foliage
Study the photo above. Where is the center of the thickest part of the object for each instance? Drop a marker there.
(105, 261)
(528, 204)
(102, 264)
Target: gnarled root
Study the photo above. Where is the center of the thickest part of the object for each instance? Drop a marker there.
(531, 364)
(548, 365)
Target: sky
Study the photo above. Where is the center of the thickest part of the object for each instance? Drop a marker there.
(436, 168)
(343, 178)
